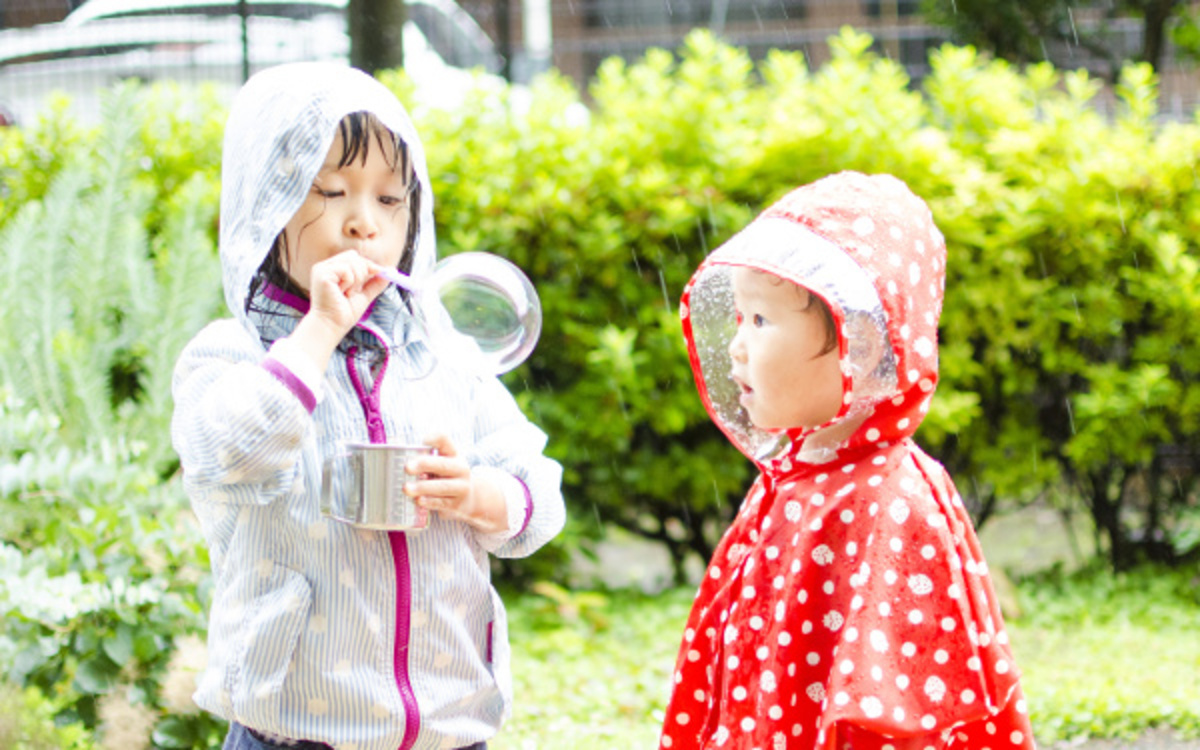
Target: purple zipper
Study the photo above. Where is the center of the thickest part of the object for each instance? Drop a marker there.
(399, 543)
(412, 718)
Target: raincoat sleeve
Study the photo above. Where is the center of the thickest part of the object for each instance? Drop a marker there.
(237, 428)
(509, 447)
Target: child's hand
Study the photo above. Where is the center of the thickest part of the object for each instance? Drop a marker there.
(448, 487)
(342, 286)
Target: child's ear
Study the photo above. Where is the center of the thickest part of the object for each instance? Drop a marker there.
(867, 342)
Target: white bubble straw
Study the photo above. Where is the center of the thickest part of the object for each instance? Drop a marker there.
(400, 279)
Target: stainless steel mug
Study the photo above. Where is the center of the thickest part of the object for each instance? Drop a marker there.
(364, 487)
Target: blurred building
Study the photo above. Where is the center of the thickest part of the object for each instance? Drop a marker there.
(576, 35)
(585, 32)
(15, 14)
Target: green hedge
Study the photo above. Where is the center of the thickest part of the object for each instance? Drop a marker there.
(1072, 279)
(1070, 352)
(109, 269)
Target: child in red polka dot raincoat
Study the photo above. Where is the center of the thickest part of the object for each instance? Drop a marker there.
(848, 605)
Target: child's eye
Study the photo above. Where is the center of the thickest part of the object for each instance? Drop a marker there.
(759, 321)
(391, 200)
(327, 193)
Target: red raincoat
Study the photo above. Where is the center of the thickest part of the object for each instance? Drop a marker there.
(850, 592)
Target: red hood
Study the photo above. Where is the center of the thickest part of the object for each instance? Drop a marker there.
(867, 246)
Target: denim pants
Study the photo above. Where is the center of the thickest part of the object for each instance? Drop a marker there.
(240, 738)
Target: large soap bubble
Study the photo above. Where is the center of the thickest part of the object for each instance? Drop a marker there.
(480, 310)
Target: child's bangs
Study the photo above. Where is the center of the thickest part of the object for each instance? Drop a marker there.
(359, 129)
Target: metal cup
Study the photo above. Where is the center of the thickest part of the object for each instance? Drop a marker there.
(364, 487)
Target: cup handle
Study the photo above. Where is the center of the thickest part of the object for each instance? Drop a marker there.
(327, 505)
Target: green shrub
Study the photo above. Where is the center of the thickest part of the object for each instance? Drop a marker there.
(30, 158)
(112, 269)
(27, 722)
(103, 581)
(96, 308)
(609, 219)
(1073, 273)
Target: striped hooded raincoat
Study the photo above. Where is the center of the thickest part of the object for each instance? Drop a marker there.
(850, 590)
(362, 639)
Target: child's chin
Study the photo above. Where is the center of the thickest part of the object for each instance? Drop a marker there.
(766, 425)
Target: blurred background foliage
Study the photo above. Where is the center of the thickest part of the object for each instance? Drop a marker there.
(1070, 354)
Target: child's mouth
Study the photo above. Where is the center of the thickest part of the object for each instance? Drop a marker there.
(746, 391)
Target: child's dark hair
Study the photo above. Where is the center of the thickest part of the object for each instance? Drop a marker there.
(831, 334)
(357, 129)
(810, 299)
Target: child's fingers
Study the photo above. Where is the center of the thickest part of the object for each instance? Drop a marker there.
(446, 489)
(444, 462)
(442, 467)
(438, 494)
(375, 268)
(354, 270)
(374, 287)
(442, 444)
(346, 270)
(368, 272)
(351, 275)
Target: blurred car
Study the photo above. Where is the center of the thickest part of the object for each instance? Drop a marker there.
(448, 29)
(106, 41)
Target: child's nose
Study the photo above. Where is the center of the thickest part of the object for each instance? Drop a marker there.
(360, 223)
(737, 347)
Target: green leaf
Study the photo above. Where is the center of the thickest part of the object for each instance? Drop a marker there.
(120, 647)
(146, 645)
(173, 732)
(96, 675)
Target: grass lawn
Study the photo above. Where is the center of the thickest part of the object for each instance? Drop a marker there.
(594, 676)
(1102, 657)
(1109, 656)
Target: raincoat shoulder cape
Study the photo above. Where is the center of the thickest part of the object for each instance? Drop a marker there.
(850, 590)
(365, 640)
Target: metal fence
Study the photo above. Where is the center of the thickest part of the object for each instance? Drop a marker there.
(82, 47)
(84, 50)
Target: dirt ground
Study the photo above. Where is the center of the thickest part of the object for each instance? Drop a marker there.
(1157, 740)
